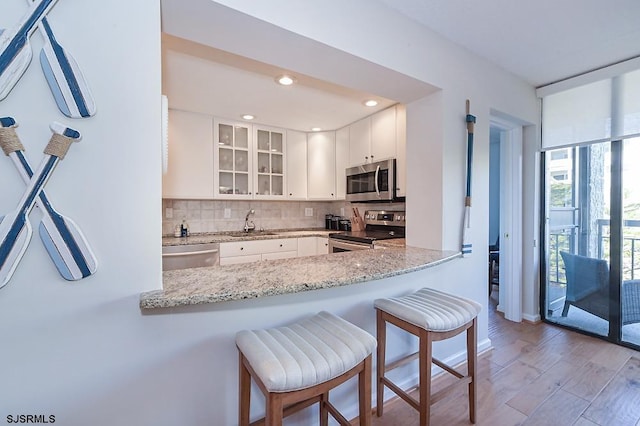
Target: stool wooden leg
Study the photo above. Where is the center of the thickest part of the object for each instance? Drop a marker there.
(425, 343)
(472, 357)
(324, 413)
(381, 334)
(245, 393)
(274, 412)
(364, 393)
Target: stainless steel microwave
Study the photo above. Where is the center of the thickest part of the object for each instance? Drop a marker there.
(372, 182)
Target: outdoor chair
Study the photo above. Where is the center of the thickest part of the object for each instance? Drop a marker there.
(588, 289)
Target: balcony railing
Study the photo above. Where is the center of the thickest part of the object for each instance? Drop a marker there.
(562, 239)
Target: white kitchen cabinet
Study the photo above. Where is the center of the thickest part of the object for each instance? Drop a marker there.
(322, 245)
(233, 165)
(189, 173)
(321, 163)
(307, 246)
(342, 162)
(296, 165)
(401, 151)
(360, 142)
(235, 252)
(383, 135)
(269, 163)
(374, 138)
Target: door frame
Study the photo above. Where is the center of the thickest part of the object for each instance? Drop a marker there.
(511, 224)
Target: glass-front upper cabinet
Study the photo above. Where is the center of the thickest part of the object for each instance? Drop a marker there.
(233, 162)
(269, 162)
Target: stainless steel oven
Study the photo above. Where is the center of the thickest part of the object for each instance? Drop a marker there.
(379, 225)
(372, 182)
(337, 246)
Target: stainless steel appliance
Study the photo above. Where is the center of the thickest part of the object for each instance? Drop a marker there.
(372, 182)
(379, 225)
(190, 256)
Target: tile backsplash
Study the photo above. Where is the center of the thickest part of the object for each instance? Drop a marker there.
(206, 216)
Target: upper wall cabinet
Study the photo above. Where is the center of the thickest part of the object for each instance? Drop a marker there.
(379, 137)
(321, 163)
(373, 138)
(269, 163)
(190, 157)
(342, 162)
(296, 165)
(233, 165)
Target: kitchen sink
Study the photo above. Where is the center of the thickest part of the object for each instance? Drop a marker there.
(249, 234)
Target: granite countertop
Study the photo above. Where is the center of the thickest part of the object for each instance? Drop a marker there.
(235, 282)
(224, 237)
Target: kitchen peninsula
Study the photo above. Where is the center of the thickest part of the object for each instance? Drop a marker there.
(285, 276)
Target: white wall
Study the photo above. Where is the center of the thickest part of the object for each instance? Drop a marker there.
(84, 352)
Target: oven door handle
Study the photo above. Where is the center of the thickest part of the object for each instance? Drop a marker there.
(376, 178)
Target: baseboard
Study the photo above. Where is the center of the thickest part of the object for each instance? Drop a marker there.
(534, 319)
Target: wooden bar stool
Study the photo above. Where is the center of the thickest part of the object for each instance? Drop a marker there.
(430, 315)
(296, 366)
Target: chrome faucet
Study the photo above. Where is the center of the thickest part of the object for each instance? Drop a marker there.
(249, 226)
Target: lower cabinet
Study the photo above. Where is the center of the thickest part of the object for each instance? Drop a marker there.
(251, 251)
(232, 253)
(322, 245)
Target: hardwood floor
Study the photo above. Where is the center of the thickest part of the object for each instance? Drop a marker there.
(539, 374)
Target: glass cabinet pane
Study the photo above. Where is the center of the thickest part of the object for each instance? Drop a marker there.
(277, 187)
(263, 163)
(263, 140)
(226, 159)
(264, 185)
(242, 137)
(225, 135)
(226, 183)
(276, 163)
(276, 142)
(242, 161)
(242, 183)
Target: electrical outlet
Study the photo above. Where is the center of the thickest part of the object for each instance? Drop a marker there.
(168, 213)
(308, 211)
(227, 213)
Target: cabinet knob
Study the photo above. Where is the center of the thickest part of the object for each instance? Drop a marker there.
(366, 157)
(280, 245)
(290, 194)
(241, 248)
(372, 157)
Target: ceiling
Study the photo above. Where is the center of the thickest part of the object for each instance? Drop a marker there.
(540, 41)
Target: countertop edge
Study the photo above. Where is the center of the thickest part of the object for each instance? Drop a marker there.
(157, 299)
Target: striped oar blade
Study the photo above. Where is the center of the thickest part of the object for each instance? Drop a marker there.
(15, 229)
(62, 238)
(66, 81)
(15, 51)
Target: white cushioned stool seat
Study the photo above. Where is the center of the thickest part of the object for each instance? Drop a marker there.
(431, 310)
(431, 316)
(306, 353)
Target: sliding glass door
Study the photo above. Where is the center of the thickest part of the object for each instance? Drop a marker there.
(578, 251)
(591, 251)
(630, 294)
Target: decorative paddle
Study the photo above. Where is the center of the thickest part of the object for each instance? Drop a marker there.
(66, 81)
(15, 229)
(467, 247)
(15, 51)
(62, 238)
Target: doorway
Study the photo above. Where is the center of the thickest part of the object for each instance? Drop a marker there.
(508, 135)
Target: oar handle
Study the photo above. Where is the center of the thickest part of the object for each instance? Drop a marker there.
(9, 140)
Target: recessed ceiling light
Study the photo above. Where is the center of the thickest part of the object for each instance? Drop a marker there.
(371, 103)
(315, 129)
(285, 80)
(248, 117)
